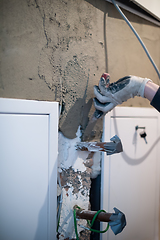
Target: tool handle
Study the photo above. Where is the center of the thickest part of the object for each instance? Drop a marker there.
(88, 215)
(98, 114)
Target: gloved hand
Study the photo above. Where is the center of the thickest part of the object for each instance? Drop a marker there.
(118, 221)
(107, 96)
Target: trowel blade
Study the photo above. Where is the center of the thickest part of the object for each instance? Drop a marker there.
(89, 128)
(97, 114)
(92, 122)
(115, 146)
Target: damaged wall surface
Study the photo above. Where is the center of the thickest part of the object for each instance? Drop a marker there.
(56, 50)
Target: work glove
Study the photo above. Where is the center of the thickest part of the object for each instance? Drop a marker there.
(107, 95)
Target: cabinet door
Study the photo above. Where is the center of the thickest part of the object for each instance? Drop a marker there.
(152, 7)
(130, 180)
(28, 171)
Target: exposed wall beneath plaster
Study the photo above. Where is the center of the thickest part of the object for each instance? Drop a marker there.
(56, 50)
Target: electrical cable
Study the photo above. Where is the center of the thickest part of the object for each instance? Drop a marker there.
(75, 222)
(89, 223)
(138, 37)
(93, 220)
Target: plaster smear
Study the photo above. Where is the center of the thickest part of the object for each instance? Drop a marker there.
(68, 156)
(66, 225)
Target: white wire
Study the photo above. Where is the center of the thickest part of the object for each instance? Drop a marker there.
(138, 37)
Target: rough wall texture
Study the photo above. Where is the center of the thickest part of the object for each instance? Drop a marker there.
(56, 50)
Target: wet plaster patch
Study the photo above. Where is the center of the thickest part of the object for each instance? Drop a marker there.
(76, 107)
(75, 83)
(71, 85)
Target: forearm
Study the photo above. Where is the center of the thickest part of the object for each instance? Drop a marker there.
(150, 90)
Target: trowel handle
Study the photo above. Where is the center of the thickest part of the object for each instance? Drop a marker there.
(98, 114)
(106, 77)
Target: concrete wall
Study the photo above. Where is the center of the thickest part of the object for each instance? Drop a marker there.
(58, 49)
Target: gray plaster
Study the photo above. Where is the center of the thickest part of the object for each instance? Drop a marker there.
(56, 50)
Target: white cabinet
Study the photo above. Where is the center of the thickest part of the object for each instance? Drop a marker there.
(130, 180)
(28, 169)
(153, 7)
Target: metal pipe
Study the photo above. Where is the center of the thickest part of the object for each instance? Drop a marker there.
(88, 215)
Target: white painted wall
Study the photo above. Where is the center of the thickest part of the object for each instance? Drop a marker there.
(28, 169)
(130, 180)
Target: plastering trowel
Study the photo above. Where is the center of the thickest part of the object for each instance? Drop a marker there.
(97, 114)
(115, 146)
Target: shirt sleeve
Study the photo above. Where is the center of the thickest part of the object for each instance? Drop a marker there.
(156, 100)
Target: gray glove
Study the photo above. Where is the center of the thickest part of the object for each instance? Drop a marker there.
(107, 96)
